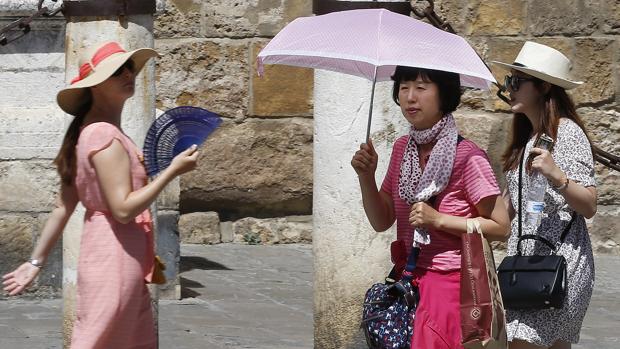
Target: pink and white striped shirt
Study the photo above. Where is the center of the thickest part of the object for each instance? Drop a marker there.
(472, 180)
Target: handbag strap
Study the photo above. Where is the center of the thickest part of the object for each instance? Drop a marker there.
(411, 262)
(519, 224)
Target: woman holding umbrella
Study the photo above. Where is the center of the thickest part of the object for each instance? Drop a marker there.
(435, 181)
(537, 86)
(101, 167)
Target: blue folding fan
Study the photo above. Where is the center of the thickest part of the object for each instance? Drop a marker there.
(173, 132)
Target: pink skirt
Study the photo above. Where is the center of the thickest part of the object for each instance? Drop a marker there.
(437, 320)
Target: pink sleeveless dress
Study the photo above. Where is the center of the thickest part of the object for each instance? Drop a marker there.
(113, 304)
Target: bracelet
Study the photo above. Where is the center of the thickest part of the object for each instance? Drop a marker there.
(563, 185)
(36, 262)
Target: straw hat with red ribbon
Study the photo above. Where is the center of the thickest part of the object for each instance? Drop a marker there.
(95, 66)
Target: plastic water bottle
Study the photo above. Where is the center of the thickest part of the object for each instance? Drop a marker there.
(536, 193)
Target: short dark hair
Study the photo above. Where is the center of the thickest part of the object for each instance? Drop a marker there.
(449, 85)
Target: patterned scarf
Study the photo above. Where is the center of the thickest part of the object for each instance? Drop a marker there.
(415, 186)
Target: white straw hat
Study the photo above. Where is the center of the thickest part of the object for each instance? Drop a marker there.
(543, 62)
(96, 65)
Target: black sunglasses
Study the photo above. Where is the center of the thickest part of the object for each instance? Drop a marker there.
(514, 82)
(128, 64)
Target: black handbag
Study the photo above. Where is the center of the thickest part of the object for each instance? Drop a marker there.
(533, 282)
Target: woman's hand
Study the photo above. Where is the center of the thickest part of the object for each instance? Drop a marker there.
(543, 163)
(185, 161)
(422, 215)
(17, 281)
(365, 160)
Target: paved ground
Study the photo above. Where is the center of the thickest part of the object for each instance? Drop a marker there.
(260, 297)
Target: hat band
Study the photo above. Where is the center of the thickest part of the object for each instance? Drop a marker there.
(104, 52)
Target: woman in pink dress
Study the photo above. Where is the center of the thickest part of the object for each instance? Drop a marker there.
(435, 181)
(101, 167)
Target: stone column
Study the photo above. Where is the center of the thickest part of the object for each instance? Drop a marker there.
(131, 32)
(349, 256)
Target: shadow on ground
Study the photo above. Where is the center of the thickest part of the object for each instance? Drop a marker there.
(193, 262)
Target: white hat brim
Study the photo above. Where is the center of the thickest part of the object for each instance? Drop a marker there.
(70, 99)
(566, 84)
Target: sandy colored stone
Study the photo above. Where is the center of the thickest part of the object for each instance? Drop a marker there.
(569, 17)
(181, 18)
(200, 228)
(282, 90)
(604, 230)
(258, 168)
(611, 11)
(28, 186)
(226, 229)
(340, 321)
(593, 64)
(250, 18)
(453, 12)
(497, 17)
(502, 50)
(18, 235)
(604, 129)
(211, 74)
(286, 230)
(489, 131)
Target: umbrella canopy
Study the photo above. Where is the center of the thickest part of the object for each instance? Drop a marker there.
(371, 43)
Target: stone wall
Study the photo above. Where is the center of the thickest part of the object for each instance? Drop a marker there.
(259, 163)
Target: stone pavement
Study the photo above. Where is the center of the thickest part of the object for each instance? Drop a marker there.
(239, 296)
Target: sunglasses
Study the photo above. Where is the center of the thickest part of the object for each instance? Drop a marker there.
(128, 64)
(514, 82)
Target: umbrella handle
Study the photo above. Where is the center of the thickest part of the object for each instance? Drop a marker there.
(372, 98)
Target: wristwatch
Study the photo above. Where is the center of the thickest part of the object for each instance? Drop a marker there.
(36, 262)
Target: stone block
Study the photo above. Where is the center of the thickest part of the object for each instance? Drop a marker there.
(180, 18)
(455, 12)
(212, 74)
(489, 131)
(604, 230)
(34, 88)
(28, 186)
(31, 133)
(604, 129)
(19, 233)
(41, 50)
(258, 168)
(297, 229)
(18, 236)
(593, 63)
(24, 7)
(611, 13)
(226, 229)
(496, 17)
(250, 18)
(570, 17)
(200, 228)
(169, 250)
(282, 90)
(502, 50)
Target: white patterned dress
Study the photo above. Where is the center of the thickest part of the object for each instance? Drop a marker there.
(572, 153)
